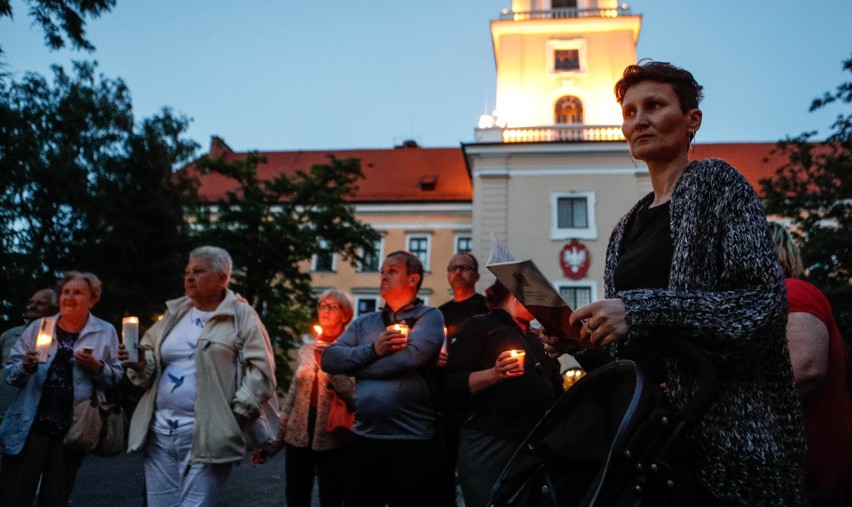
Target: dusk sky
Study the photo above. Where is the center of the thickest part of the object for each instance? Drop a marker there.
(282, 75)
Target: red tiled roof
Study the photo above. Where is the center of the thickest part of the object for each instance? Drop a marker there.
(754, 160)
(401, 174)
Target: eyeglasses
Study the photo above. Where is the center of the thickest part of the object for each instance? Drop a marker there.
(328, 307)
(460, 269)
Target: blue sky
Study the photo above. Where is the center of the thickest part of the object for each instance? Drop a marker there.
(284, 75)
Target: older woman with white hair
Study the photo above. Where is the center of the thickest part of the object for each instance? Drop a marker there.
(189, 421)
(83, 356)
(308, 446)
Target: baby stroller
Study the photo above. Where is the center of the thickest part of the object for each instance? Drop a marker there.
(610, 440)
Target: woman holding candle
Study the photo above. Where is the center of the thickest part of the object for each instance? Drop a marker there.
(497, 364)
(189, 421)
(308, 447)
(82, 356)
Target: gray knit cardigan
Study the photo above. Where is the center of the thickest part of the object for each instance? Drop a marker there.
(726, 294)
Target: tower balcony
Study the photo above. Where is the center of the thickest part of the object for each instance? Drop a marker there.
(549, 134)
(565, 13)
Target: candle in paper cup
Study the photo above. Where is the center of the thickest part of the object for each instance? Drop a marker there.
(130, 337)
(44, 338)
(401, 328)
(520, 355)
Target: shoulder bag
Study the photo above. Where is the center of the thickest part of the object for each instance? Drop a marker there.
(97, 428)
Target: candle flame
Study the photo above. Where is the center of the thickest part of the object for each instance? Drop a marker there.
(130, 320)
(318, 329)
(43, 340)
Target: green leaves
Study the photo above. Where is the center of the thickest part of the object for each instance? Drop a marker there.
(273, 227)
(814, 190)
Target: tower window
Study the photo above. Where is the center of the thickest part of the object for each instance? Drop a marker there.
(566, 60)
(568, 111)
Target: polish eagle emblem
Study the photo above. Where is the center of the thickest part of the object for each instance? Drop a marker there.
(574, 260)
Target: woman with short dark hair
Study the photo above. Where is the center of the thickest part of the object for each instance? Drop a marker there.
(694, 259)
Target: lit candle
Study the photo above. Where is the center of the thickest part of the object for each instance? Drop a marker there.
(520, 355)
(45, 338)
(444, 346)
(402, 329)
(130, 337)
(318, 330)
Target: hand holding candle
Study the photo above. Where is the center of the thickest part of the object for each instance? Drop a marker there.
(45, 338)
(320, 344)
(519, 366)
(130, 337)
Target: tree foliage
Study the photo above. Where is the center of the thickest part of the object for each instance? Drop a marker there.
(85, 188)
(63, 18)
(273, 227)
(814, 190)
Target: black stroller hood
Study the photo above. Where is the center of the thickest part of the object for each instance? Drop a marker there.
(610, 440)
(574, 444)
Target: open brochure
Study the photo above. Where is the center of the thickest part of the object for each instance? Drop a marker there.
(527, 283)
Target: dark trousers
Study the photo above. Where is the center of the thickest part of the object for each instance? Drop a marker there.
(43, 456)
(401, 473)
(300, 464)
(451, 423)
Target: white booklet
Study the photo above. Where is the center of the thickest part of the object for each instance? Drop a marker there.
(527, 283)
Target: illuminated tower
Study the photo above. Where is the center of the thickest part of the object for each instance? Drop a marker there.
(557, 62)
(550, 169)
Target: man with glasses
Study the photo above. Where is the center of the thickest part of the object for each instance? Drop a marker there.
(462, 274)
(392, 458)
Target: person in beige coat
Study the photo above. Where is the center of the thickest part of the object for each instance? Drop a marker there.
(189, 420)
(308, 447)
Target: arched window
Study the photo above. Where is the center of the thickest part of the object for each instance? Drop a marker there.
(568, 110)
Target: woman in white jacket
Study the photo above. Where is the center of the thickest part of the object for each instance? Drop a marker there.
(83, 354)
(189, 420)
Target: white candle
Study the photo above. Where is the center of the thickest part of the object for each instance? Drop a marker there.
(45, 338)
(130, 337)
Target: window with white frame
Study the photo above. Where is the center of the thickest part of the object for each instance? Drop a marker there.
(324, 260)
(372, 263)
(418, 244)
(572, 215)
(464, 243)
(366, 304)
(566, 56)
(576, 294)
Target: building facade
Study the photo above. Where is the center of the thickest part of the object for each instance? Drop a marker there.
(548, 172)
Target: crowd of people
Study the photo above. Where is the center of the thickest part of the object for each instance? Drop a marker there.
(442, 397)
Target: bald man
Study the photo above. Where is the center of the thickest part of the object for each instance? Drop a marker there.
(41, 304)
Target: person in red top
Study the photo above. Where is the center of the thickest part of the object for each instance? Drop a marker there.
(819, 360)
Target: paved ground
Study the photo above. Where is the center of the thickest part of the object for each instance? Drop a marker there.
(119, 481)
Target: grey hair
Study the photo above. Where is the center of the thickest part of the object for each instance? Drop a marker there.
(219, 258)
(89, 279)
(342, 299)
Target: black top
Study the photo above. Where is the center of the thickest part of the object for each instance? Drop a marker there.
(645, 263)
(56, 405)
(456, 312)
(512, 407)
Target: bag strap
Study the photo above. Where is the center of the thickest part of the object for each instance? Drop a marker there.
(238, 358)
